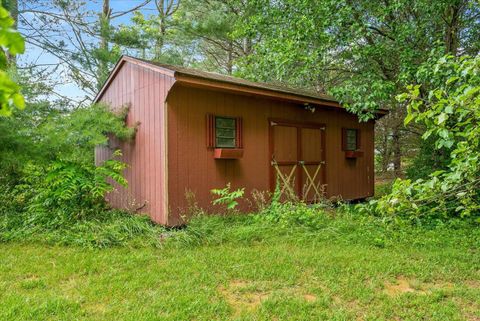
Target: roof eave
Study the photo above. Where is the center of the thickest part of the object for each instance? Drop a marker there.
(195, 81)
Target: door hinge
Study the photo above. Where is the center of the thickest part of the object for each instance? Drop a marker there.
(272, 123)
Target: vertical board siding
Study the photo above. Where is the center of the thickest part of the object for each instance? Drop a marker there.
(144, 91)
(191, 165)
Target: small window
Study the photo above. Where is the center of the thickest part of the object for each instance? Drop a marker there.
(351, 139)
(225, 132)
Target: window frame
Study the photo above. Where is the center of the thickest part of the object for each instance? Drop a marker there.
(212, 132)
(218, 137)
(345, 142)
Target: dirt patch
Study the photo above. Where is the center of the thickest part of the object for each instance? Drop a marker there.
(470, 310)
(402, 285)
(30, 282)
(247, 296)
(243, 296)
(473, 284)
(95, 308)
(310, 297)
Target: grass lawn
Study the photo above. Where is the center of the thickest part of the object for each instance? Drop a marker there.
(340, 272)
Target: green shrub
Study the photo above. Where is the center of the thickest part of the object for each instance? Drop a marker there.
(293, 212)
(52, 191)
(448, 105)
(69, 191)
(227, 197)
(383, 188)
(63, 203)
(428, 160)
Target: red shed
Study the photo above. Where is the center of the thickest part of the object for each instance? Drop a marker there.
(198, 131)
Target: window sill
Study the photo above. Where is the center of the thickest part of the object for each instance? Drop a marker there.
(353, 154)
(228, 153)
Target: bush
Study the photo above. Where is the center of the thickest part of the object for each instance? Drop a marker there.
(66, 191)
(51, 189)
(64, 204)
(448, 105)
(428, 160)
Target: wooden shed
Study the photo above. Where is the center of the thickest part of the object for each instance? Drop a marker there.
(198, 131)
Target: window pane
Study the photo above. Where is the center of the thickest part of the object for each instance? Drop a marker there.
(225, 132)
(225, 142)
(225, 122)
(351, 139)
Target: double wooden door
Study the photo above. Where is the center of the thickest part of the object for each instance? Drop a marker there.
(298, 159)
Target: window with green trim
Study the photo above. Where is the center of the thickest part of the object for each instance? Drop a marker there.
(225, 132)
(350, 139)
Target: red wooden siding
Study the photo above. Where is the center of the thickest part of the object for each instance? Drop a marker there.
(144, 90)
(192, 167)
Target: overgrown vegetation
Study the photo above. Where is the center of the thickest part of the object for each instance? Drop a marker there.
(448, 105)
(51, 189)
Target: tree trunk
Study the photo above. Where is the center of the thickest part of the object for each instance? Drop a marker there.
(230, 58)
(385, 151)
(160, 38)
(452, 18)
(104, 30)
(105, 23)
(247, 46)
(397, 152)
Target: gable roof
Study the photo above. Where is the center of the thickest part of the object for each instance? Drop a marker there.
(195, 77)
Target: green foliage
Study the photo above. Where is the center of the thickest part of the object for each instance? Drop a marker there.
(52, 191)
(63, 198)
(43, 133)
(82, 130)
(67, 191)
(304, 224)
(227, 197)
(383, 188)
(155, 36)
(363, 52)
(290, 213)
(427, 160)
(448, 105)
(63, 203)
(11, 43)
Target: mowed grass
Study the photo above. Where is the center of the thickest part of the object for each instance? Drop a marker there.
(239, 269)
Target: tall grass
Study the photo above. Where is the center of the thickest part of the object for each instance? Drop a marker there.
(108, 228)
(301, 224)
